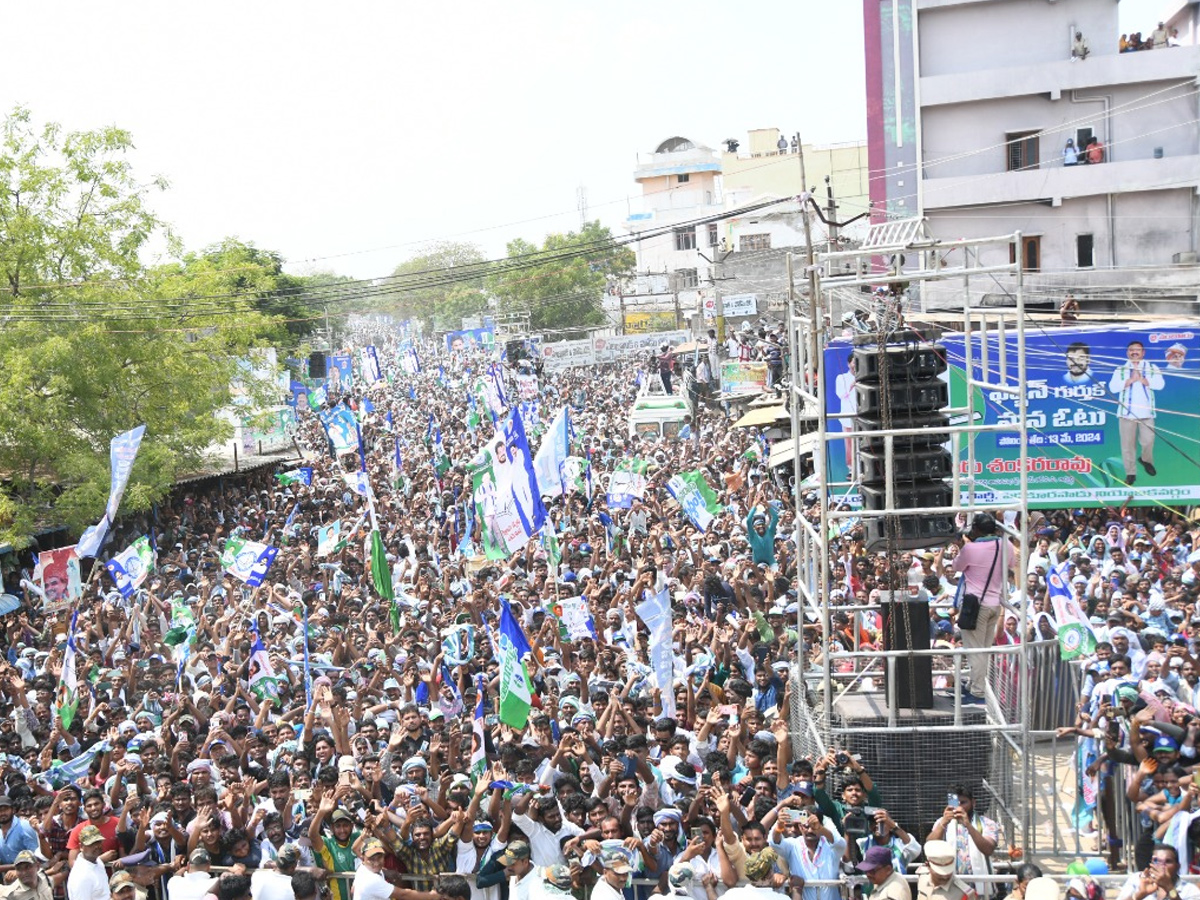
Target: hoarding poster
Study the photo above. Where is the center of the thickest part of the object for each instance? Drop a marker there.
(61, 580)
(650, 322)
(1112, 414)
(743, 377)
(339, 373)
(472, 337)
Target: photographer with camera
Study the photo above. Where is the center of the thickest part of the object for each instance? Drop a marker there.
(887, 833)
(858, 795)
(974, 837)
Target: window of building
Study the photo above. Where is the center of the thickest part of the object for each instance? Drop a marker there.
(713, 235)
(1022, 150)
(683, 179)
(1085, 250)
(685, 238)
(686, 279)
(1082, 136)
(1031, 253)
(747, 242)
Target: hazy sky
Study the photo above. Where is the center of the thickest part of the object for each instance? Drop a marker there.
(347, 135)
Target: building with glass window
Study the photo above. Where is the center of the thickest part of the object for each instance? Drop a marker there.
(993, 116)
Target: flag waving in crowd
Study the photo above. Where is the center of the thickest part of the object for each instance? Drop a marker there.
(480, 602)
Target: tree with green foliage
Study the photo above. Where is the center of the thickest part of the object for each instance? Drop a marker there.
(91, 343)
(562, 283)
(235, 268)
(70, 207)
(438, 286)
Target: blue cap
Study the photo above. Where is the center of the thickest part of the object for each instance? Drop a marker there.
(1165, 744)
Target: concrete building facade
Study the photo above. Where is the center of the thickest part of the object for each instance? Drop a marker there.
(684, 274)
(971, 104)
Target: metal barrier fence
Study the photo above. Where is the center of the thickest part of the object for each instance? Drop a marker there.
(1023, 784)
(1054, 687)
(848, 885)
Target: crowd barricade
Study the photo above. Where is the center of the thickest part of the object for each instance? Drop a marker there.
(848, 885)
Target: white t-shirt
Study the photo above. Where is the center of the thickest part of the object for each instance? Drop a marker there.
(190, 886)
(527, 887)
(605, 891)
(544, 843)
(464, 864)
(87, 881)
(270, 884)
(370, 885)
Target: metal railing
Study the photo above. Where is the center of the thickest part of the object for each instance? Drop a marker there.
(848, 885)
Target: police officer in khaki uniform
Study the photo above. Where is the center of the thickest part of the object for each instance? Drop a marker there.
(886, 882)
(26, 880)
(937, 880)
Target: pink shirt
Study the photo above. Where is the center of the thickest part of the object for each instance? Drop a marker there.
(974, 560)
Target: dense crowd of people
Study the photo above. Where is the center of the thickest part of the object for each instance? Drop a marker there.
(380, 760)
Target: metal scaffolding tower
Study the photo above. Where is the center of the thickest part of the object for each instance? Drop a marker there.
(835, 701)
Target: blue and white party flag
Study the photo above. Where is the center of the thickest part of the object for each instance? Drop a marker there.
(130, 567)
(122, 453)
(248, 561)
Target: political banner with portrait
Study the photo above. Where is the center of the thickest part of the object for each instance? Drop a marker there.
(1111, 414)
(470, 338)
(60, 578)
(508, 502)
(743, 377)
(339, 373)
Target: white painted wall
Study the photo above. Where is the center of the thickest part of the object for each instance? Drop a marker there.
(1012, 33)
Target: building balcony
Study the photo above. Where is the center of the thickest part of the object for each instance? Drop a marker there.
(679, 162)
(1062, 76)
(1055, 182)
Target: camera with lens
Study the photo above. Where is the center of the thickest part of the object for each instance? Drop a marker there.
(856, 824)
(842, 759)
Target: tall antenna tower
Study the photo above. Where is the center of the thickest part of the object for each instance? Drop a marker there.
(581, 204)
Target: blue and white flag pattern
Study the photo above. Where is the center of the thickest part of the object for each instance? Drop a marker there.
(342, 429)
(552, 454)
(370, 366)
(248, 561)
(130, 567)
(122, 454)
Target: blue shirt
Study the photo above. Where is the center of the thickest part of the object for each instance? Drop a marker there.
(20, 836)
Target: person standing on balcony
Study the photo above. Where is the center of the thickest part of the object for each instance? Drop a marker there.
(1070, 154)
(1095, 151)
(1079, 47)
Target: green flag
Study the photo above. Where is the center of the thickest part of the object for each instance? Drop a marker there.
(696, 479)
(381, 573)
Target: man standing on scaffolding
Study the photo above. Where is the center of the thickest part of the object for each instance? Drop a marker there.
(985, 560)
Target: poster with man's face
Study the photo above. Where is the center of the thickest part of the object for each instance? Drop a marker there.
(60, 577)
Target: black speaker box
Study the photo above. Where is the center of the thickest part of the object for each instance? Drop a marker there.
(913, 532)
(906, 396)
(906, 627)
(913, 465)
(316, 365)
(906, 362)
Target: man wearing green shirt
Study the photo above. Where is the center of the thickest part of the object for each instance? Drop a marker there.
(334, 852)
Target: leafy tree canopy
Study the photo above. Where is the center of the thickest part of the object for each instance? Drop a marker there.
(562, 282)
(439, 286)
(93, 344)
